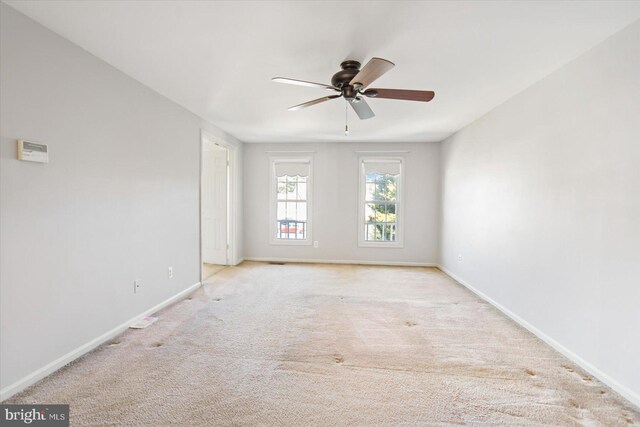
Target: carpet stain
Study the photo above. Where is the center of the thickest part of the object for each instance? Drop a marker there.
(410, 324)
(574, 404)
(217, 299)
(338, 358)
(530, 372)
(157, 344)
(114, 342)
(627, 418)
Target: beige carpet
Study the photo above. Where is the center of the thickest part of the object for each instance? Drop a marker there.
(209, 270)
(295, 345)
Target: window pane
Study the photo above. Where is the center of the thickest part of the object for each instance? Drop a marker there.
(282, 185)
(291, 220)
(291, 188)
(391, 235)
(381, 193)
(387, 188)
(302, 191)
(290, 210)
(369, 232)
(283, 227)
(369, 212)
(301, 210)
(281, 214)
(392, 185)
(372, 177)
(378, 228)
(370, 191)
(374, 212)
(391, 212)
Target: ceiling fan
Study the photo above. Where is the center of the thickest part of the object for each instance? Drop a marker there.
(352, 84)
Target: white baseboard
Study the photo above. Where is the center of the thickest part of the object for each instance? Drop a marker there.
(342, 261)
(240, 261)
(621, 389)
(50, 368)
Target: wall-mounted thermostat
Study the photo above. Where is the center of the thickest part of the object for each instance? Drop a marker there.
(33, 151)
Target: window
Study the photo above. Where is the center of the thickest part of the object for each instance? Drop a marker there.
(380, 196)
(291, 201)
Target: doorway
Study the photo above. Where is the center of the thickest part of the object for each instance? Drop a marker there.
(214, 207)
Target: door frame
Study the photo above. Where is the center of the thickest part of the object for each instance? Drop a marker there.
(232, 199)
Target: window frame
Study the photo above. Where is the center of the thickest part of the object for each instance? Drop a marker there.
(273, 202)
(399, 242)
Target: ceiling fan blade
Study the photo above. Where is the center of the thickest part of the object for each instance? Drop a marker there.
(314, 102)
(362, 109)
(370, 72)
(302, 83)
(406, 95)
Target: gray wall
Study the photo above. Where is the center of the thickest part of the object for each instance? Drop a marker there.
(541, 197)
(117, 202)
(335, 203)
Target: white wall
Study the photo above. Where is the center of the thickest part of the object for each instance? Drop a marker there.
(117, 202)
(335, 204)
(541, 197)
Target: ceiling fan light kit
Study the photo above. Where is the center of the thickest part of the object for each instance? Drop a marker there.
(351, 82)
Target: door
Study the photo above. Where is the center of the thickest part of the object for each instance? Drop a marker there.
(214, 204)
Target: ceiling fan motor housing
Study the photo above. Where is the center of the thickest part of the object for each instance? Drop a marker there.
(342, 78)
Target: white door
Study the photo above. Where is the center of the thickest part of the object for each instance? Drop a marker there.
(214, 204)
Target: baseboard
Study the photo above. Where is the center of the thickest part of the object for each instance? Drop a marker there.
(50, 368)
(624, 391)
(343, 261)
(240, 261)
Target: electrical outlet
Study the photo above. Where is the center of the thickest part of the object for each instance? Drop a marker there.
(136, 285)
(315, 244)
(459, 257)
(170, 272)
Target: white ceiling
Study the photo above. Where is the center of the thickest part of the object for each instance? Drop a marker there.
(217, 58)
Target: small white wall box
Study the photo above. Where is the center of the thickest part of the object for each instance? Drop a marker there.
(33, 151)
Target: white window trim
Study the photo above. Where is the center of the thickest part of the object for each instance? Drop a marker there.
(273, 203)
(399, 242)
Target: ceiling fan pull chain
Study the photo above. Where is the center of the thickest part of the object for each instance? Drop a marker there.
(346, 119)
